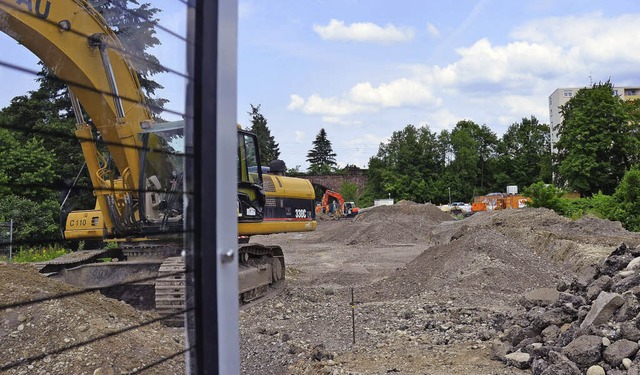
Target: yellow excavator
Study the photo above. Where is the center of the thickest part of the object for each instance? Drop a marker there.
(138, 182)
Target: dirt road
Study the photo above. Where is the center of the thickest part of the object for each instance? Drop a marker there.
(431, 295)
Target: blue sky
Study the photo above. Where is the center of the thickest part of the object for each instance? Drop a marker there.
(362, 69)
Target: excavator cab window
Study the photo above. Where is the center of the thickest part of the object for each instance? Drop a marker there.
(250, 189)
(162, 166)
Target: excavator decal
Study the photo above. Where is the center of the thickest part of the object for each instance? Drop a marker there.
(38, 7)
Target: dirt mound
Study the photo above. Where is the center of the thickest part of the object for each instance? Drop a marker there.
(406, 212)
(405, 203)
(504, 252)
(77, 334)
(383, 225)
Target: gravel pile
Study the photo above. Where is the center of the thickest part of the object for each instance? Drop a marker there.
(405, 223)
(75, 335)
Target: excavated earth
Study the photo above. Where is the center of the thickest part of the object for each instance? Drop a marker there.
(400, 289)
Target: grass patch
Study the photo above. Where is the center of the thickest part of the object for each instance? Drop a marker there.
(37, 254)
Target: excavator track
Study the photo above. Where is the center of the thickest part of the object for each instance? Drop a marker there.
(170, 290)
(261, 274)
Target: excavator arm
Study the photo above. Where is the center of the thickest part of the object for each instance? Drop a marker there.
(75, 43)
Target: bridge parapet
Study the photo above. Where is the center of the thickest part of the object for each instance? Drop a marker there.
(334, 182)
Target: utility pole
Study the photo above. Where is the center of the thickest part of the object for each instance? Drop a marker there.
(449, 188)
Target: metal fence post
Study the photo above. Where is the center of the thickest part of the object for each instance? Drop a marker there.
(10, 239)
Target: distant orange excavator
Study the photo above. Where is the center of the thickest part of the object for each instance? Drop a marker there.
(342, 208)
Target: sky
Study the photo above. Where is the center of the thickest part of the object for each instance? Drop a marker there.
(362, 69)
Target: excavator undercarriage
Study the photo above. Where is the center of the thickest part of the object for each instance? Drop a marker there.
(150, 280)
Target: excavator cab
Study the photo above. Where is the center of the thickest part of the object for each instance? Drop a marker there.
(251, 195)
(160, 203)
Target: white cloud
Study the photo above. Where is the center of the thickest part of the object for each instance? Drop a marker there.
(441, 119)
(332, 107)
(433, 30)
(363, 32)
(524, 106)
(297, 102)
(340, 120)
(494, 84)
(511, 65)
(591, 39)
(397, 93)
(299, 135)
(364, 97)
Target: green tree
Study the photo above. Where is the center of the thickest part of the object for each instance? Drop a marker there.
(543, 195)
(471, 155)
(627, 196)
(597, 141)
(525, 153)
(406, 167)
(349, 191)
(26, 192)
(269, 149)
(321, 157)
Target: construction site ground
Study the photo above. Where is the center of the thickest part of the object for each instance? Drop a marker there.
(430, 295)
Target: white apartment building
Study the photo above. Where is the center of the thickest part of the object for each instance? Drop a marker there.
(561, 96)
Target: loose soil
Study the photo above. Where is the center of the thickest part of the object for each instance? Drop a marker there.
(399, 289)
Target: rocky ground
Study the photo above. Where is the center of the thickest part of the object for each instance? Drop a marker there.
(401, 289)
(432, 295)
(83, 333)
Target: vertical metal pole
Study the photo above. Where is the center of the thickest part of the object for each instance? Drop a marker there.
(211, 122)
(10, 239)
(353, 317)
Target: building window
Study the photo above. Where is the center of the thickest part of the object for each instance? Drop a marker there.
(630, 92)
(615, 93)
(568, 94)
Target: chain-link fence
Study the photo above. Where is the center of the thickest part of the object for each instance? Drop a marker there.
(6, 240)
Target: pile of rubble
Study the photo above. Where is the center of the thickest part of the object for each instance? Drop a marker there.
(590, 326)
(48, 327)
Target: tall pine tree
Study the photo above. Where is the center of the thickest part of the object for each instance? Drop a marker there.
(269, 149)
(321, 157)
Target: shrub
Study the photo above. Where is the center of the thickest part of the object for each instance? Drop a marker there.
(543, 195)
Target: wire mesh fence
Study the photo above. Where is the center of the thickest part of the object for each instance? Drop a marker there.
(93, 184)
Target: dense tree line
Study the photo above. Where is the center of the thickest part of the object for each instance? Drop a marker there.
(420, 165)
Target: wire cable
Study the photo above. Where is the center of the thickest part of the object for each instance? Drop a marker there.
(63, 349)
(86, 87)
